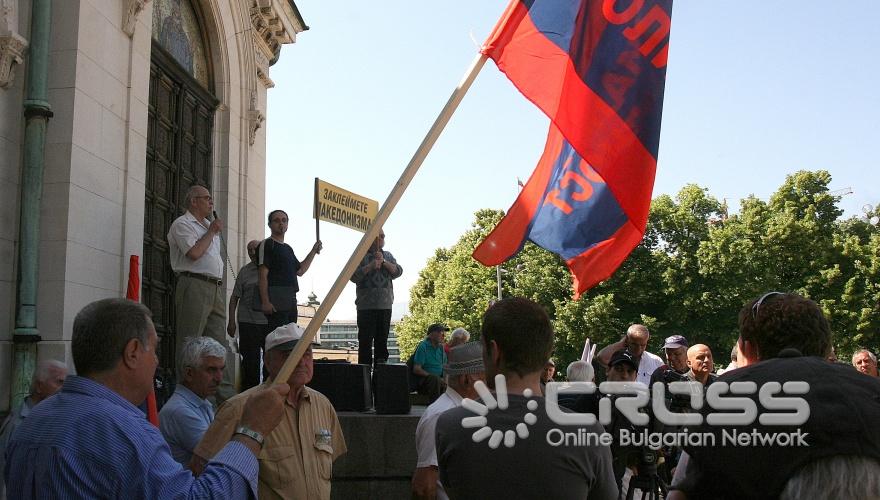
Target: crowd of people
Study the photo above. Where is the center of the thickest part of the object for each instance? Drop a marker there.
(84, 435)
(785, 340)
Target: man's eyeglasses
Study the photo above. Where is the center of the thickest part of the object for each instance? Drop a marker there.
(207, 197)
(757, 307)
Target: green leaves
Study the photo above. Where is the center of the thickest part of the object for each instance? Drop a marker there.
(692, 273)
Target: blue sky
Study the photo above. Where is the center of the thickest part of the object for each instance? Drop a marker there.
(755, 91)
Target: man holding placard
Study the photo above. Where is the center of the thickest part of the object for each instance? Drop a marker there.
(375, 295)
(279, 269)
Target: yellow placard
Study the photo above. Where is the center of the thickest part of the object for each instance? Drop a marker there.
(340, 206)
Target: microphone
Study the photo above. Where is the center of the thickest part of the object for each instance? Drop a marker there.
(215, 213)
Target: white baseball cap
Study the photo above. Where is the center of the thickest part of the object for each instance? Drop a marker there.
(285, 337)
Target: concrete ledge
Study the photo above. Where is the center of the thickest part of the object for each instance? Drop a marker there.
(381, 455)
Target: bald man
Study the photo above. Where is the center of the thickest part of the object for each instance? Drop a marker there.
(252, 324)
(700, 363)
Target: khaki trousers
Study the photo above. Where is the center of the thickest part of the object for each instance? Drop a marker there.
(200, 307)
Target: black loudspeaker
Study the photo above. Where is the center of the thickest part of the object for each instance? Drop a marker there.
(391, 389)
(347, 386)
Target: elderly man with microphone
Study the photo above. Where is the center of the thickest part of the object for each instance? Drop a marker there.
(199, 297)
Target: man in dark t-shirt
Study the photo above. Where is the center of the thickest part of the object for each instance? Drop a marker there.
(519, 451)
(279, 269)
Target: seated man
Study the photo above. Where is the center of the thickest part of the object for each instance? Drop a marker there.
(187, 414)
(297, 457)
(465, 368)
(427, 363)
(91, 441)
(46, 381)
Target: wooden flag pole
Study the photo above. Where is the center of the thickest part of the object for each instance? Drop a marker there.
(387, 207)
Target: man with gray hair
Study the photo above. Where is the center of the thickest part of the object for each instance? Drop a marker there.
(47, 379)
(199, 296)
(92, 441)
(865, 362)
(578, 371)
(463, 370)
(188, 413)
(636, 343)
(458, 336)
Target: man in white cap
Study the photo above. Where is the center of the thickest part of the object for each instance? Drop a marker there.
(297, 457)
(464, 368)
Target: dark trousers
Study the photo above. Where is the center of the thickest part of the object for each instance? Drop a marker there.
(431, 386)
(281, 318)
(373, 326)
(251, 342)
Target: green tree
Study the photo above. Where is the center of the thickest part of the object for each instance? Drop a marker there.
(694, 270)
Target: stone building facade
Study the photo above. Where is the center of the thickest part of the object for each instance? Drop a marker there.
(147, 97)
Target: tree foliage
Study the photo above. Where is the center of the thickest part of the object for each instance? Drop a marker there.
(691, 274)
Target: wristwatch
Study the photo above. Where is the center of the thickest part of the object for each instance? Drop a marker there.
(247, 431)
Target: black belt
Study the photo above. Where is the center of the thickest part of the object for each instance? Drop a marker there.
(203, 277)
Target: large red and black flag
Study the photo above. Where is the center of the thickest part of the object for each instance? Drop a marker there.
(597, 68)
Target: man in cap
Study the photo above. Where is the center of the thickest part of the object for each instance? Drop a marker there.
(517, 339)
(427, 362)
(297, 457)
(636, 343)
(465, 368)
(676, 367)
(622, 367)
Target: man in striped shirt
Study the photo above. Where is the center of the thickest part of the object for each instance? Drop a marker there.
(90, 440)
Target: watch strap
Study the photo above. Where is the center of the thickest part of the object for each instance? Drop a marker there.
(247, 431)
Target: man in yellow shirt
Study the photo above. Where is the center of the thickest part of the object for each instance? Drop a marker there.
(296, 460)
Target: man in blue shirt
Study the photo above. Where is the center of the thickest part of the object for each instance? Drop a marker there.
(90, 440)
(188, 414)
(428, 361)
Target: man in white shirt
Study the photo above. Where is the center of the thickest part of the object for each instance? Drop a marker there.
(463, 369)
(199, 297)
(635, 342)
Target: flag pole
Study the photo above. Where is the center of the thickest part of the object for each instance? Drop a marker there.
(315, 208)
(396, 193)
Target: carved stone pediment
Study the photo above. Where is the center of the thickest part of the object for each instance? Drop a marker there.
(12, 45)
(275, 24)
(130, 11)
(255, 119)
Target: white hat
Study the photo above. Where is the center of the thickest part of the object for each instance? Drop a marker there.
(285, 337)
